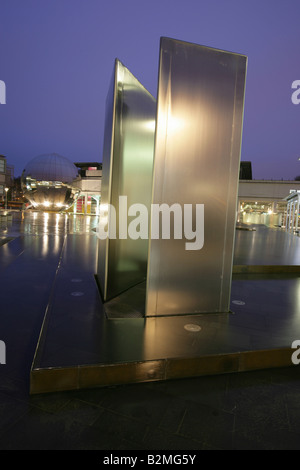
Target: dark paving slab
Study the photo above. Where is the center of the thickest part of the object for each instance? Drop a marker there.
(85, 343)
(30, 268)
(240, 411)
(266, 246)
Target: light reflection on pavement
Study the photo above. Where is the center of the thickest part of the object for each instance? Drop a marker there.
(47, 223)
(264, 245)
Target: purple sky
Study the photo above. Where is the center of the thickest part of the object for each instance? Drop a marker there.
(57, 57)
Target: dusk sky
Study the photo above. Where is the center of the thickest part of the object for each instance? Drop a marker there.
(57, 58)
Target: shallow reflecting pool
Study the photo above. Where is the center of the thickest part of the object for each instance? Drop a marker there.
(51, 223)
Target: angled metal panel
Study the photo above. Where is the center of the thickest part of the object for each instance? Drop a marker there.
(126, 171)
(197, 156)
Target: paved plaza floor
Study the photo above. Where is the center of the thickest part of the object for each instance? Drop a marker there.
(256, 409)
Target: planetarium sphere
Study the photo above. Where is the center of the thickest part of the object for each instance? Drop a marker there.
(49, 182)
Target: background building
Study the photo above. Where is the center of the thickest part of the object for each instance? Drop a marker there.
(89, 185)
(259, 201)
(245, 171)
(292, 212)
(2, 176)
(6, 179)
(263, 202)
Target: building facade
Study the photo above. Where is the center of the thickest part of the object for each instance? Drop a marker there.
(2, 176)
(264, 201)
(89, 185)
(292, 212)
(6, 178)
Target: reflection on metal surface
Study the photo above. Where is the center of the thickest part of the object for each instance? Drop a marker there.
(266, 247)
(127, 170)
(48, 182)
(197, 154)
(192, 327)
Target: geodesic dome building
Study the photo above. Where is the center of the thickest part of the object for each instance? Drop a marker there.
(48, 182)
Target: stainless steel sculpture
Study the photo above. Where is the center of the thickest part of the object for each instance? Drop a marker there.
(196, 145)
(126, 171)
(48, 182)
(197, 154)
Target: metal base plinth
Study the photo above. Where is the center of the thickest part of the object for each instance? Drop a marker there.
(103, 375)
(82, 346)
(51, 310)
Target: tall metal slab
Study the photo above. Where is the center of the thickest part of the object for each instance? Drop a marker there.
(126, 171)
(197, 156)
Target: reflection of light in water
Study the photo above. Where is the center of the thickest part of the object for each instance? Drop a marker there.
(38, 223)
(45, 245)
(56, 245)
(72, 223)
(57, 223)
(81, 223)
(46, 222)
(66, 223)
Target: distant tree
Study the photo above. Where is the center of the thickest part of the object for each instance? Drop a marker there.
(297, 178)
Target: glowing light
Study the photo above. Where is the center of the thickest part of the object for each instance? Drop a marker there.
(150, 125)
(175, 124)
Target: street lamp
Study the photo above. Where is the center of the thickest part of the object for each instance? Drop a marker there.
(6, 189)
